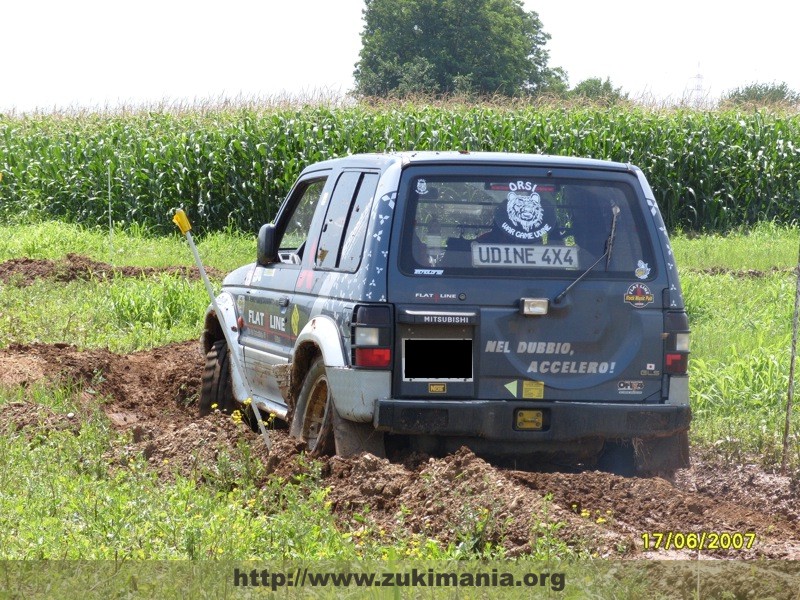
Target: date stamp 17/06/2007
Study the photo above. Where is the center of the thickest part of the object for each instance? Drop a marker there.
(698, 540)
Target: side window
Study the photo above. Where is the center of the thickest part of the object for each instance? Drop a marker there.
(331, 236)
(298, 225)
(357, 223)
(344, 230)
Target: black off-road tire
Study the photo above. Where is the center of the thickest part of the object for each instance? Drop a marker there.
(217, 389)
(317, 422)
(354, 438)
(313, 415)
(662, 457)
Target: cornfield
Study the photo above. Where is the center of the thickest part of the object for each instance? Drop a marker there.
(231, 167)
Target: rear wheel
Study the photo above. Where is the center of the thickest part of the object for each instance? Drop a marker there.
(618, 458)
(313, 417)
(662, 457)
(217, 390)
(354, 438)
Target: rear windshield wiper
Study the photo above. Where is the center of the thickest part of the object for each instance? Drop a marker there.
(606, 255)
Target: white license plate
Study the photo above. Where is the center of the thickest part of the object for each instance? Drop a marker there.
(519, 256)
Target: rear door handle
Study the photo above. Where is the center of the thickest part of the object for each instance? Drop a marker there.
(284, 301)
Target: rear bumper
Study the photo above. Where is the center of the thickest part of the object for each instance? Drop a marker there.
(493, 420)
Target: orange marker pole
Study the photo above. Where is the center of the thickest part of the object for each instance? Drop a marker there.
(182, 221)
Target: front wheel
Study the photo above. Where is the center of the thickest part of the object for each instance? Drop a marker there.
(217, 389)
(313, 416)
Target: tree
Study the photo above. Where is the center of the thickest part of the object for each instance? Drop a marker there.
(447, 46)
(762, 94)
(597, 90)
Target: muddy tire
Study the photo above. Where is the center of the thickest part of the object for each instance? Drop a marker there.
(662, 457)
(353, 438)
(217, 389)
(313, 415)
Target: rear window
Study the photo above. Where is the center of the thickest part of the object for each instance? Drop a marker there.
(512, 226)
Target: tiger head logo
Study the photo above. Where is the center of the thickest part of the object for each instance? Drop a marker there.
(525, 211)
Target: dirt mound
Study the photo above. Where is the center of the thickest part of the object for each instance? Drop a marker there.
(153, 386)
(742, 484)
(22, 272)
(647, 506)
(22, 415)
(460, 499)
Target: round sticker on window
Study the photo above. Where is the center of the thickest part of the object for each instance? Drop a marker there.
(639, 295)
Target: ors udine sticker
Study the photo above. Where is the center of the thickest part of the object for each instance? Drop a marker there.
(639, 295)
(525, 212)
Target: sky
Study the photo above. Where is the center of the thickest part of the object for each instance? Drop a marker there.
(104, 54)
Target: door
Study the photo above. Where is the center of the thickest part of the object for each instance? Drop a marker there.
(267, 306)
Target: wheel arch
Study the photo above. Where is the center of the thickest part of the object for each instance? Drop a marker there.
(304, 356)
(353, 431)
(320, 337)
(212, 328)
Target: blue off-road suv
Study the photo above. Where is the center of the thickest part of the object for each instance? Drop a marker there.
(520, 305)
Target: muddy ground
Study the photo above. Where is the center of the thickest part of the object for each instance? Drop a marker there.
(152, 397)
(21, 272)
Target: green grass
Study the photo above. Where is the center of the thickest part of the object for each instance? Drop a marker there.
(762, 247)
(60, 498)
(130, 245)
(734, 313)
(74, 488)
(741, 320)
(123, 314)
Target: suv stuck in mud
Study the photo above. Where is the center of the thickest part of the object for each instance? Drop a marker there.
(520, 305)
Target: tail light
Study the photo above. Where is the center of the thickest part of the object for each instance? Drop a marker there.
(371, 337)
(676, 331)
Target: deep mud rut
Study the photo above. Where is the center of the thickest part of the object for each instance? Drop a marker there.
(152, 397)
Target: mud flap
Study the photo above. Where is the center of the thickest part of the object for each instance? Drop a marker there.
(664, 454)
(353, 438)
(283, 375)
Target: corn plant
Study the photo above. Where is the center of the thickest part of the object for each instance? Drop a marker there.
(231, 167)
